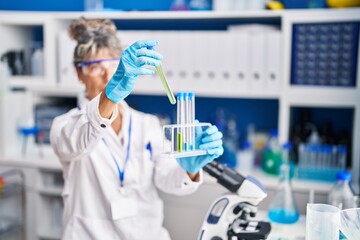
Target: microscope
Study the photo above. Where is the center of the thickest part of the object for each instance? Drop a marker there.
(229, 217)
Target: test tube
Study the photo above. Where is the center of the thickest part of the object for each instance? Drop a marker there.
(164, 82)
(342, 151)
(179, 138)
(186, 121)
(192, 120)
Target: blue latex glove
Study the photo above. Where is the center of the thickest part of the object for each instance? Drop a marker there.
(209, 140)
(131, 65)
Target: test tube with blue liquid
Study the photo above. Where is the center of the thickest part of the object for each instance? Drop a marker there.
(192, 120)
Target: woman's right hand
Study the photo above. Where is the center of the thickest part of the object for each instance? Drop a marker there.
(131, 65)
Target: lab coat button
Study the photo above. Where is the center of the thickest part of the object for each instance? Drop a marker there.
(103, 125)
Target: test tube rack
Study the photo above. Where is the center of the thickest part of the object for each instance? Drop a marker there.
(179, 140)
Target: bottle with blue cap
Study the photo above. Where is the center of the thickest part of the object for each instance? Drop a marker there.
(341, 195)
(272, 154)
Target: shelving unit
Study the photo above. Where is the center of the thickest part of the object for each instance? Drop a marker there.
(12, 205)
(16, 26)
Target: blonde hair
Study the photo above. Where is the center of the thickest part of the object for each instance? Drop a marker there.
(91, 36)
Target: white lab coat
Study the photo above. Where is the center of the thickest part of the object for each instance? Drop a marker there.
(94, 208)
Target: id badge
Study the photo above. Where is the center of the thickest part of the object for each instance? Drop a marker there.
(122, 207)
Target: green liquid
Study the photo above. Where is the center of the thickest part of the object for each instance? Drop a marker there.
(179, 142)
(168, 91)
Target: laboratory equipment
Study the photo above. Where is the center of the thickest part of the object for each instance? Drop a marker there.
(321, 162)
(231, 144)
(15, 60)
(330, 48)
(272, 155)
(230, 216)
(37, 62)
(180, 138)
(12, 200)
(245, 158)
(161, 74)
(28, 135)
(341, 195)
(322, 222)
(283, 207)
(350, 223)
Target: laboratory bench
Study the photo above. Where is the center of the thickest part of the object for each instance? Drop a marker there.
(44, 186)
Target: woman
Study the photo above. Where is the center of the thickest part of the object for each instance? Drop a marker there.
(111, 153)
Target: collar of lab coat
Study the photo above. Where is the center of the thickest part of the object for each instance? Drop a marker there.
(123, 136)
(124, 110)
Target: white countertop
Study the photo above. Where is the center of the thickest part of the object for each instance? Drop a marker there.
(269, 181)
(295, 231)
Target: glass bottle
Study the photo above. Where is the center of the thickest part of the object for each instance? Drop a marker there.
(283, 207)
(272, 155)
(341, 195)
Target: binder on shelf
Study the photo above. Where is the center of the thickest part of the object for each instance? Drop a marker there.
(210, 67)
(226, 62)
(184, 60)
(194, 58)
(257, 59)
(272, 60)
(240, 58)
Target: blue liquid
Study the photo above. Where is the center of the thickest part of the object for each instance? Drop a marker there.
(283, 216)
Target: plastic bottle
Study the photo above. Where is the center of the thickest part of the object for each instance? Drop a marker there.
(231, 142)
(37, 62)
(341, 195)
(272, 155)
(245, 159)
(283, 207)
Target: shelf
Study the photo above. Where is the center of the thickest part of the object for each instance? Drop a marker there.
(178, 15)
(57, 90)
(20, 17)
(324, 96)
(209, 93)
(53, 235)
(28, 81)
(53, 192)
(50, 164)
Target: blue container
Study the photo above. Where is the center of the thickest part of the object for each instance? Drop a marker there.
(295, 3)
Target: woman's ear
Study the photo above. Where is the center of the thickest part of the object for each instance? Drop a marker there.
(80, 75)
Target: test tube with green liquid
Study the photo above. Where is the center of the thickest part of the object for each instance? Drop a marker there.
(164, 82)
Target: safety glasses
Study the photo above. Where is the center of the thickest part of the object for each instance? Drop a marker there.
(98, 67)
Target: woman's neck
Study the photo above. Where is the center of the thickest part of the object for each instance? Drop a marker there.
(117, 123)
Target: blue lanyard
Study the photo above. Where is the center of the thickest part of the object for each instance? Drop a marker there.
(122, 173)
